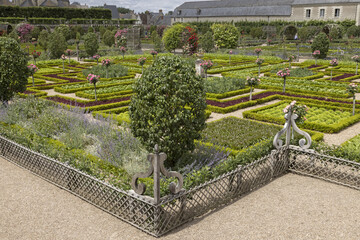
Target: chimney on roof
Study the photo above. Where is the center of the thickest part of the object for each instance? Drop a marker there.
(160, 11)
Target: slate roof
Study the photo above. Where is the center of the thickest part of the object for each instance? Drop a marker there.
(246, 7)
(114, 11)
(27, 3)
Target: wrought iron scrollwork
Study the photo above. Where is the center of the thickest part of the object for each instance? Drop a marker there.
(156, 167)
(290, 118)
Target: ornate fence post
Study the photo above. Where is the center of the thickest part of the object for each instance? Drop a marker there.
(156, 167)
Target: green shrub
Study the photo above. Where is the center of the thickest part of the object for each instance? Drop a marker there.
(225, 35)
(207, 42)
(91, 43)
(307, 33)
(336, 32)
(172, 37)
(13, 69)
(321, 43)
(257, 32)
(44, 39)
(57, 44)
(64, 30)
(157, 41)
(222, 85)
(353, 31)
(108, 38)
(157, 110)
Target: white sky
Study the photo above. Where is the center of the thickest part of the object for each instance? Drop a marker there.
(139, 5)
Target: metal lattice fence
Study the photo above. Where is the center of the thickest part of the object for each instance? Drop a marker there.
(175, 210)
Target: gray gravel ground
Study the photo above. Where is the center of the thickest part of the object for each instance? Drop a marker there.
(291, 207)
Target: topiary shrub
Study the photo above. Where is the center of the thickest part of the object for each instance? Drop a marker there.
(256, 32)
(13, 69)
(353, 31)
(172, 37)
(44, 39)
(168, 107)
(108, 38)
(225, 35)
(207, 42)
(57, 44)
(336, 32)
(321, 42)
(64, 30)
(91, 43)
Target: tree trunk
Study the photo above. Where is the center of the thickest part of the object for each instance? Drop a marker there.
(95, 92)
(32, 75)
(284, 84)
(250, 93)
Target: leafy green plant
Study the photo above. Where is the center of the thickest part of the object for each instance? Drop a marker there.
(225, 35)
(168, 107)
(13, 69)
(321, 43)
(207, 41)
(225, 84)
(91, 43)
(172, 37)
(57, 44)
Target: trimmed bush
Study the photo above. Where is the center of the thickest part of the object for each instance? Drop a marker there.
(321, 43)
(91, 43)
(225, 35)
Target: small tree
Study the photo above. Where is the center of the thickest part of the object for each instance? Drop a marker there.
(123, 51)
(96, 57)
(64, 30)
(225, 35)
(321, 43)
(141, 62)
(106, 63)
(189, 41)
(43, 39)
(32, 69)
(316, 54)
(172, 37)
(351, 89)
(108, 38)
(35, 55)
(168, 107)
(257, 52)
(77, 42)
(206, 66)
(13, 69)
(120, 38)
(252, 82)
(57, 44)
(154, 53)
(284, 73)
(63, 58)
(334, 62)
(356, 58)
(157, 42)
(91, 43)
(259, 62)
(207, 42)
(93, 79)
(68, 52)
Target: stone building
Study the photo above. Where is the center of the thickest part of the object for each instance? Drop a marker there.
(268, 10)
(41, 3)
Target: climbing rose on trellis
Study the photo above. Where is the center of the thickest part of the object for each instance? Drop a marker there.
(120, 38)
(190, 41)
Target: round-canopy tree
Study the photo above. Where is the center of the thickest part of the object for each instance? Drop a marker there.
(13, 69)
(321, 43)
(168, 107)
(172, 37)
(91, 43)
(225, 35)
(56, 44)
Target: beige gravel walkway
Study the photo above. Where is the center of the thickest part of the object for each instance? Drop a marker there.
(291, 207)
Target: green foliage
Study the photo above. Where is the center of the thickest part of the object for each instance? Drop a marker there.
(307, 33)
(44, 39)
(108, 38)
(91, 43)
(157, 109)
(207, 42)
(157, 42)
(14, 36)
(321, 43)
(353, 31)
(13, 69)
(123, 10)
(257, 32)
(224, 84)
(114, 70)
(90, 30)
(57, 44)
(35, 32)
(289, 32)
(172, 37)
(225, 35)
(64, 30)
(336, 32)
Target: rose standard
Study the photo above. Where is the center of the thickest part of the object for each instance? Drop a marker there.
(356, 59)
(316, 55)
(35, 55)
(106, 63)
(32, 69)
(284, 73)
(259, 62)
(63, 58)
(206, 66)
(291, 59)
(258, 51)
(141, 62)
(334, 62)
(154, 53)
(123, 51)
(252, 82)
(96, 57)
(68, 53)
(351, 89)
(93, 79)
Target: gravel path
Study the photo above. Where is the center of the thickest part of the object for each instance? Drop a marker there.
(51, 92)
(291, 207)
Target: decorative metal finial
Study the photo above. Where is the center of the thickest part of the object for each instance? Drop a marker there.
(157, 166)
(290, 122)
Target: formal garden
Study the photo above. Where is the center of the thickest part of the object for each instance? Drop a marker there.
(213, 103)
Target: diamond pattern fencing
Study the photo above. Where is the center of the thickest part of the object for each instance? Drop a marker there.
(332, 169)
(175, 210)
